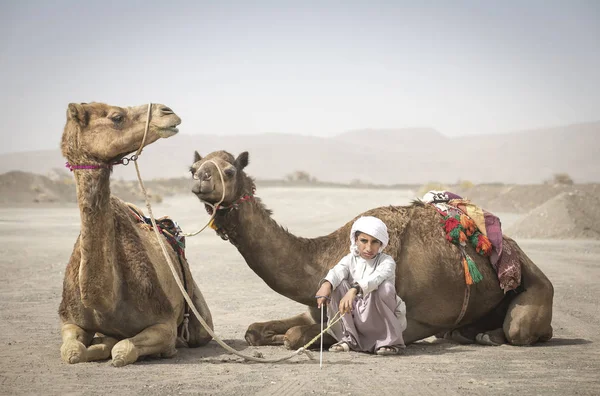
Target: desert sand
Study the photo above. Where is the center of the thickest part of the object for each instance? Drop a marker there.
(36, 242)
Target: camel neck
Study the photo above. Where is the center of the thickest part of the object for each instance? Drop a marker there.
(290, 265)
(97, 276)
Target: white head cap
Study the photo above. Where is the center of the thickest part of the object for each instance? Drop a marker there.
(372, 226)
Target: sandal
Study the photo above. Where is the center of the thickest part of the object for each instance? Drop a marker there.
(341, 346)
(389, 350)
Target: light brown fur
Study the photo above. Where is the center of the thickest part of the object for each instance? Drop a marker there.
(119, 296)
(429, 274)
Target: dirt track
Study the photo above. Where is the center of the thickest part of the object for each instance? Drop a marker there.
(35, 245)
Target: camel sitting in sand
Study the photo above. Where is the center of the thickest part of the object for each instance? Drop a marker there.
(429, 274)
(118, 282)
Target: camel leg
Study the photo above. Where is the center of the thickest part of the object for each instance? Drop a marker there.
(529, 316)
(198, 334)
(158, 339)
(487, 330)
(273, 332)
(75, 342)
(416, 331)
(100, 348)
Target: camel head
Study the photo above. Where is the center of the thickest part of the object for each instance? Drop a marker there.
(97, 132)
(207, 180)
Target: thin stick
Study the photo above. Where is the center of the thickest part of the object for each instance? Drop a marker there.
(321, 354)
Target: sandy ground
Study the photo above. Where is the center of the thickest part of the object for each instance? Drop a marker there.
(35, 245)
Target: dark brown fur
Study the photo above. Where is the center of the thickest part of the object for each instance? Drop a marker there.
(429, 275)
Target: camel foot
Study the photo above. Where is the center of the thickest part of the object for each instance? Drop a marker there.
(124, 353)
(457, 336)
(100, 348)
(169, 354)
(491, 338)
(73, 351)
(256, 336)
(181, 343)
(546, 337)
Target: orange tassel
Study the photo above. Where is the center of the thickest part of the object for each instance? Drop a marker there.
(462, 237)
(468, 224)
(468, 278)
(484, 245)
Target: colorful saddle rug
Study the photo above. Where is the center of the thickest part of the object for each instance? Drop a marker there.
(465, 223)
(166, 226)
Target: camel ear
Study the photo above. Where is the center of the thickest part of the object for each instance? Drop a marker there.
(242, 160)
(76, 112)
(197, 157)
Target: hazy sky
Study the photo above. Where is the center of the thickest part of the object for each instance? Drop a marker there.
(301, 67)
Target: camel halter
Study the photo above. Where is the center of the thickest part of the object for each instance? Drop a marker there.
(214, 207)
(218, 206)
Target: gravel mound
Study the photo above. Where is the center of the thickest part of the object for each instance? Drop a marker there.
(21, 188)
(569, 215)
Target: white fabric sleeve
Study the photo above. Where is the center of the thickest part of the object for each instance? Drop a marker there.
(339, 272)
(385, 270)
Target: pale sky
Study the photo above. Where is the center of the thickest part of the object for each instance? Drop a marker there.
(301, 67)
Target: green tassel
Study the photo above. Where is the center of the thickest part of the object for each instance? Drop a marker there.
(454, 234)
(475, 274)
(474, 239)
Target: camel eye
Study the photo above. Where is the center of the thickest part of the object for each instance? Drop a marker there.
(195, 175)
(229, 172)
(116, 118)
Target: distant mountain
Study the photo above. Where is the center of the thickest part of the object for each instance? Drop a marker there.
(380, 156)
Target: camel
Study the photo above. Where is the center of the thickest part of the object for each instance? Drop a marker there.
(119, 297)
(429, 274)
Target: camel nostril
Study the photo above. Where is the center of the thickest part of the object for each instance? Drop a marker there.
(166, 111)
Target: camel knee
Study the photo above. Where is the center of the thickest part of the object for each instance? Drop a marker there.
(75, 342)
(123, 353)
(528, 319)
(299, 336)
(517, 335)
(293, 338)
(73, 351)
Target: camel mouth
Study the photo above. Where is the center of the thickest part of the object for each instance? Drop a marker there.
(168, 132)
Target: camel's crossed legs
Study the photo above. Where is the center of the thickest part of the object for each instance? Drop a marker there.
(157, 339)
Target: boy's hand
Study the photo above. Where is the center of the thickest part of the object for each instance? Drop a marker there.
(323, 293)
(347, 300)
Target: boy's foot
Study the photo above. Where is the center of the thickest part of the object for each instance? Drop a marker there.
(341, 346)
(389, 350)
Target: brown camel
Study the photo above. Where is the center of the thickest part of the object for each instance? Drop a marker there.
(120, 298)
(429, 274)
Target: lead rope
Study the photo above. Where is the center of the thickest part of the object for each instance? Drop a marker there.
(182, 289)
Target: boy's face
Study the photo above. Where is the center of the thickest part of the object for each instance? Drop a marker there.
(368, 247)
